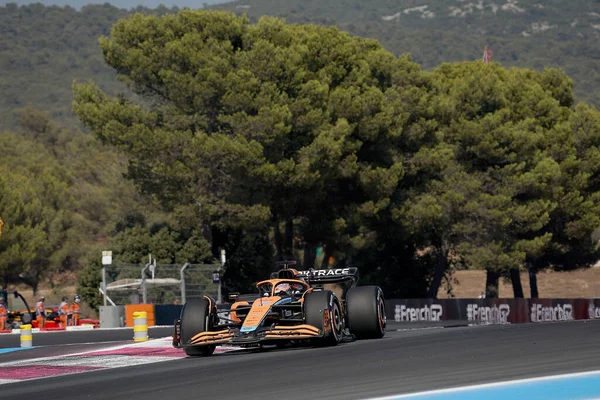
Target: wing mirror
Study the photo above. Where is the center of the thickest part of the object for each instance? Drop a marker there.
(234, 295)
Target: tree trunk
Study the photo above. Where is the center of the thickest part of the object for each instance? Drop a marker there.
(310, 255)
(218, 240)
(278, 242)
(440, 268)
(533, 283)
(328, 254)
(207, 232)
(515, 278)
(491, 284)
(288, 240)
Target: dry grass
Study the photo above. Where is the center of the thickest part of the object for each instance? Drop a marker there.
(53, 296)
(574, 284)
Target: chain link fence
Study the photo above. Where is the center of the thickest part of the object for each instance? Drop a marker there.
(160, 283)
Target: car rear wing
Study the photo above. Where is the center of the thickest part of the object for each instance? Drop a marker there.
(334, 275)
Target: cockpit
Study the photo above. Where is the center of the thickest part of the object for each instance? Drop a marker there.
(281, 287)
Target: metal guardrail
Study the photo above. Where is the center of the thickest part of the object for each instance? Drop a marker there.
(153, 283)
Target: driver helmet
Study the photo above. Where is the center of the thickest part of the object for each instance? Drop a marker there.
(77, 299)
(282, 287)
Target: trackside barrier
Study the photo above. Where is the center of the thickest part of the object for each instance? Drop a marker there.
(492, 311)
(26, 337)
(471, 311)
(140, 326)
(112, 316)
(165, 314)
(130, 309)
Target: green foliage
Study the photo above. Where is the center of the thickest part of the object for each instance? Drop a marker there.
(166, 245)
(575, 145)
(250, 260)
(258, 139)
(60, 192)
(344, 144)
(90, 279)
(394, 263)
(502, 201)
(44, 48)
(497, 133)
(241, 131)
(36, 207)
(127, 4)
(527, 34)
(169, 242)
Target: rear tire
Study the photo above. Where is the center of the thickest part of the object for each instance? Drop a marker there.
(196, 318)
(323, 311)
(366, 312)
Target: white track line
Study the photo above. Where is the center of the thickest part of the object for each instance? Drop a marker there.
(489, 385)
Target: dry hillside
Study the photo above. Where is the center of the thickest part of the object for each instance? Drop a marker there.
(581, 283)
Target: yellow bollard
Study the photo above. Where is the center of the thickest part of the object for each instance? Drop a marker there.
(140, 326)
(26, 338)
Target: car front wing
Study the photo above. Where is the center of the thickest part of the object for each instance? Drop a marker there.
(233, 336)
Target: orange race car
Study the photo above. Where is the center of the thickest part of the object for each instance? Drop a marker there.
(291, 307)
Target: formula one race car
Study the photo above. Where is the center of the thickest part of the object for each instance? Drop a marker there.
(291, 307)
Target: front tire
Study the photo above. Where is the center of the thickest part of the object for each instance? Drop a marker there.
(322, 310)
(196, 318)
(366, 312)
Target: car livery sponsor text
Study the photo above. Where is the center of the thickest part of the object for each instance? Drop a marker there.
(325, 272)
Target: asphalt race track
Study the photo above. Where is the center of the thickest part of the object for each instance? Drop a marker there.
(402, 362)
